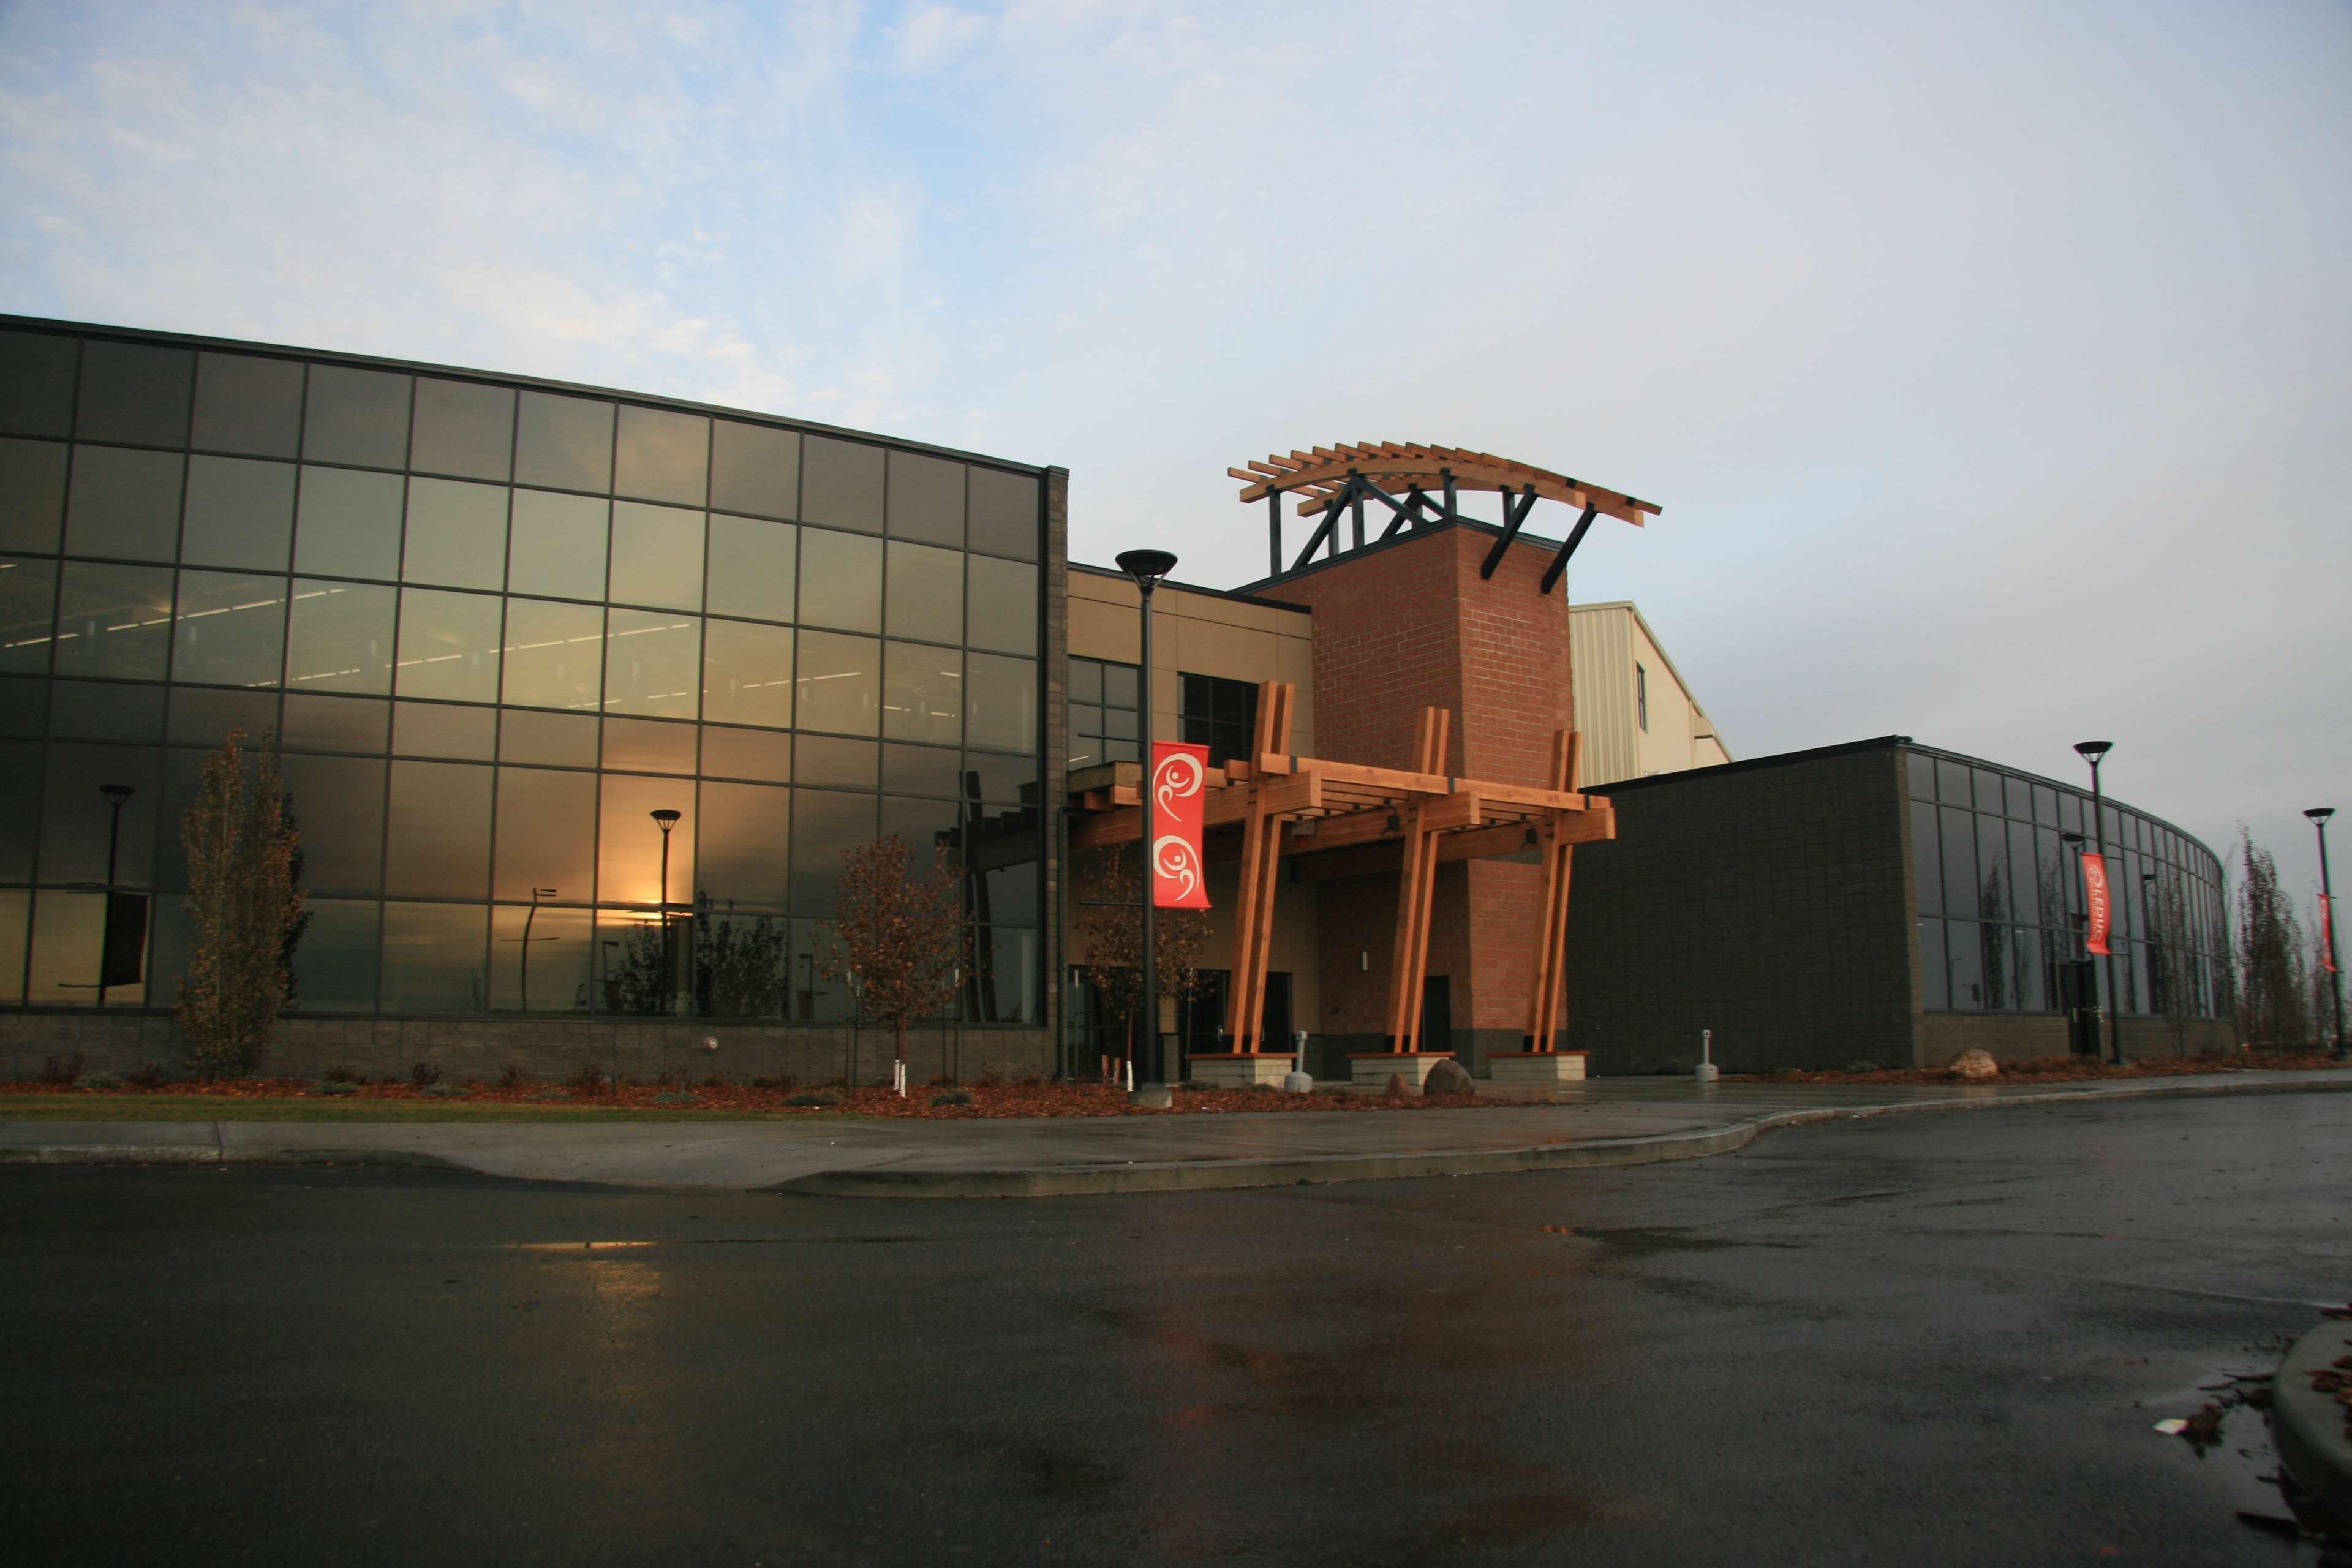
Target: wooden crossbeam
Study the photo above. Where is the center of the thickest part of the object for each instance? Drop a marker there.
(1266, 804)
(1417, 888)
(1319, 476)
(1313, 861)
(1402, 781)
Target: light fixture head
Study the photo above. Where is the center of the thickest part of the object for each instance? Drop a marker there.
(117, 793)
(1146, 566)
(2092, 751)
(668, 818)
(2070, 839)
(2320, 814)
(542, 892)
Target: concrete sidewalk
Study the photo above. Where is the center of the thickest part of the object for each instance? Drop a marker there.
(1605, 1122)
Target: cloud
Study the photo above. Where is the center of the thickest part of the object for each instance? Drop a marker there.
(934, 37)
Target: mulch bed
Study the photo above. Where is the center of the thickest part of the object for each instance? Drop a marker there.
(988, 1099)
(2073, 1069)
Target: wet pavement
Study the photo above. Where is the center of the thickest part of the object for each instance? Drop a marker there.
(1919, 1340)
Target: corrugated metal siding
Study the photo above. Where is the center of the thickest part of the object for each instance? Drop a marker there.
(1600, 655)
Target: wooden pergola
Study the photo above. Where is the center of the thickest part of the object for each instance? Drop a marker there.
(1315, 806)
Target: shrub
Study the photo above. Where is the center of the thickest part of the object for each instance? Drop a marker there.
(336, 1085)
(675, 1097)
(447, 1090)
(774, 1083)
(714, 1081)
(343, 1075)
(670, 1078)
(1195, 1086)
(1032, 1081)
(100, 1080)
(63, 1068)
(552, 1094)
(990, 1078)
(813, 1097)
(423, 1075)
(591, 1080)
(146, 1075)
(511, 1076)
(952, 1097)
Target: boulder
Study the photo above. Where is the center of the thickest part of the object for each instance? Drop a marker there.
(1973, 1065)
(1395, 1091)
(1449, 1077)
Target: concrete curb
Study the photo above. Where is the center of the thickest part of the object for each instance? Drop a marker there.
(196, 1154)
(2309, 1427)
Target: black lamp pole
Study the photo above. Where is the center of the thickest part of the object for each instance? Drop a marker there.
(1148, 567)
(2319, 815)
(2094, 752)
(536, 894)
(668, 819)
(116, 794)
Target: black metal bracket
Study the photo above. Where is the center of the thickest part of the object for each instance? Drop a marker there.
(1514, 517)
(1559, 562)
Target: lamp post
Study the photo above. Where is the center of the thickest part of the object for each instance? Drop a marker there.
(2319, 815)
(116, 794)
(1148, 567)
(536, 894)
(668, 819)
(2094, 752)
(2078, 958)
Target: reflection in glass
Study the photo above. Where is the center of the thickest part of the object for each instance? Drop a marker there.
(629, 843)
(825, 827)
(107, 711)
(1004, 605)
(540, 961)
(661, 456)
(559, 544)
(463, 429)
(1001, 702)
(926, 592)
(841, 484)
(839, 684)
(551, 739)
(16, 926)
(75, 817)
(20, 809)
(652, 663)
(1012, 781)
(445, 729)
(841, 581)
(922, 694)
(1005, 963)
(354, 416)
(456, 535)
(747, 754)
(68, 936)
(340, 638)
(432, 958)
(347, 523)
(649, 746)
(926, 499)
(1001, 859)
(335, 963)
(919, 770)
(930, 828)
(439, 841)
(240, 514)
(1935, 979)
(812, 996)
(747, 673)
(448, 646)
(124, 502)
(337, 723)
(135, 391)
(338, 804)
(547, 833)
(754, 469)
(1964, 941)
(28, 595)
(752, 569)
(201, 718)
(564, 443)
(1926, 860)
(114, 621)
(657, 555)
(229, 629)
(250, 405)
(36, 395)
(832, 763)
(32, 494)
(554, 655)
(742, 859)
(1004, 508)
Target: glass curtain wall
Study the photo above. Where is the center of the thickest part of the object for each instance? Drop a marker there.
(495, 628)
(2001, 912)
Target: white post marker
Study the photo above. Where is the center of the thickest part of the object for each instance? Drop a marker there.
(1296, 1081)
(1706, 1071)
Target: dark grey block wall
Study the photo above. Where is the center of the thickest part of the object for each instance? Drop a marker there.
(1770, 903)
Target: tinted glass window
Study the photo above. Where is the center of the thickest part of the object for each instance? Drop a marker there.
(201, 718)
(751, 568)
(32, 494)
(445, 729)
(340, 638)
(1987, 791)
(449, 646)
(834, 763)
(247, 405)
(1993, 889)
(555, 657)
(24, 701)
(747, 673)
(652, 663)
(743, 862)
(754, 469)
(841, 581)
(924, 593)
(338, 804)
(67, 931)
(1920, 772)
(841, 484)
(1007, 986)
(559, 544)
(825, 827)
(1001, 702)
(439, 843)
(15, 922)
(928, 827)
(1005, 859)
(661, 456)
(564, 443)
(240, 513)
(134, 392)
(649, 746)
(657, 555)
(433, 958)
(1003, 606)
(543, 961)
(547, 833)
(1965, 942)
(124, 502)
(556, 740)
(456, 535)
(922, 694)
(114, 621)
(629, 842)
(36, 380)
(463, 429)
(337, 723)
(107, 711)
(347, 523)
(229, 629)
(1934, 978)
(1004, 513)
(1011, 780)
(75, 816)
(28, 595)
(335, 963)
(1951, 782)
(747, 754)
(926, 499)
(840, 684)
(356, 417)
(919, 770)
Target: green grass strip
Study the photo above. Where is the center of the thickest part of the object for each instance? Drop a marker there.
(223, 1108)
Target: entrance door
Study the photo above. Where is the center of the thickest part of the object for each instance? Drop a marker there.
(1437, 1014)
(2078, 990)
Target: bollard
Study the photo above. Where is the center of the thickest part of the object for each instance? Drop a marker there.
(1706, 1071)
(1297, 1081)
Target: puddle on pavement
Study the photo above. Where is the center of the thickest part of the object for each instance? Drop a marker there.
(2230, 1435)
(1644, 1239)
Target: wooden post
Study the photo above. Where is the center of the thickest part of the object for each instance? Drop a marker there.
(1261, 863)
(1551, 944)
(1416, 891)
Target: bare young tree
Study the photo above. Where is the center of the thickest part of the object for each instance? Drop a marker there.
(2273, 991)
(897, 928)
(244, 906)
(1109, 928)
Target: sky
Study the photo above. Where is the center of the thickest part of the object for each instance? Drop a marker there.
(1992, 363)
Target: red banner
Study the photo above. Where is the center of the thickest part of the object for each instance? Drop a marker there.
(1179, 773)
(2094, 893)
(2327, 933)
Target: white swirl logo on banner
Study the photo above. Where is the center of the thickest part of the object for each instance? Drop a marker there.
(1176, 861)
(1180, 776)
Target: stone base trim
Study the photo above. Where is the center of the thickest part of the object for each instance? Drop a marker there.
(1240, 1069)
(1536, 1067)
(1372, 1069)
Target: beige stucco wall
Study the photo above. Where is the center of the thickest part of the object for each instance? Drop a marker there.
(1196, 634)
(1606, 642)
